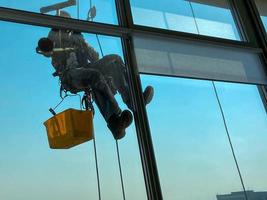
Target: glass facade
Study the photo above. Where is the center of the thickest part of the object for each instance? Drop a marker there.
(197, 139)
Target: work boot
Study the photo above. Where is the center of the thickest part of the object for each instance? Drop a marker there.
(118, 123)
(148, 94)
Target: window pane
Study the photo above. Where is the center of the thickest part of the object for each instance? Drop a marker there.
(262, 8)
(204, 17)
(191, 147)
(164, 14)
(198, 60)
(214, 18)
(28, 168)
(246, 120)
(105, 9)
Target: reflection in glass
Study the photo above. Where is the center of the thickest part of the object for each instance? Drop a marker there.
(28, 168)
(240, 195)
(204, 17)
(79, 9)
(191, 147)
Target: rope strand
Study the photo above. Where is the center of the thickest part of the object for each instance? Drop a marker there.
(97, 170)
(89, 100)
(117, 145)
(99, 44)
(78, 9)
(120, 169)
(230, 141)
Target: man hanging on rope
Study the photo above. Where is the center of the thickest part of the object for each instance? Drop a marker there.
(79, 69)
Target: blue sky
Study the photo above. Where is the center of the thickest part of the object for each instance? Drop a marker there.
(191, 147)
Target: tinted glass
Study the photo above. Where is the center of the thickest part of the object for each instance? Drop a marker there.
(157, 55)
(190, 141)
(29, 169)
(79, 9)
(204, 17)
(246, 120)
(191, 147)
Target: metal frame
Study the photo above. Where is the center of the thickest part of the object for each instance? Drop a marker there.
(36, 19)
(251, 29)
(58, 6)
(26, 17)
(263, 39)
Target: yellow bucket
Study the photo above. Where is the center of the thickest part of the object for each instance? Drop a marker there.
(69, 128)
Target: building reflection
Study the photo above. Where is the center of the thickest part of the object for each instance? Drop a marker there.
(241, 196)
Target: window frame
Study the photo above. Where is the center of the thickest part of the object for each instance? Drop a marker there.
(249, 23)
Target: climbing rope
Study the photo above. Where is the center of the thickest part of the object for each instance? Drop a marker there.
(91, 15)
(117, 144)
(78, 9)
(97, 170)
(87, 99)
(119, 163)
(230, 141)
(223, 116)
(99, 44)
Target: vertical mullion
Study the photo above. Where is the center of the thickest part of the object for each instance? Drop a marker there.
(124, 13)
(128, 13)
(262, 89)
(243, 15)
(237, 18)
(150, 171)
(248, 12)
(148, 159)
(263, 95)
(260, 33)
(257, 18)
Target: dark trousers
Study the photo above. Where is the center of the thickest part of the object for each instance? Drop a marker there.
(105, 77)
